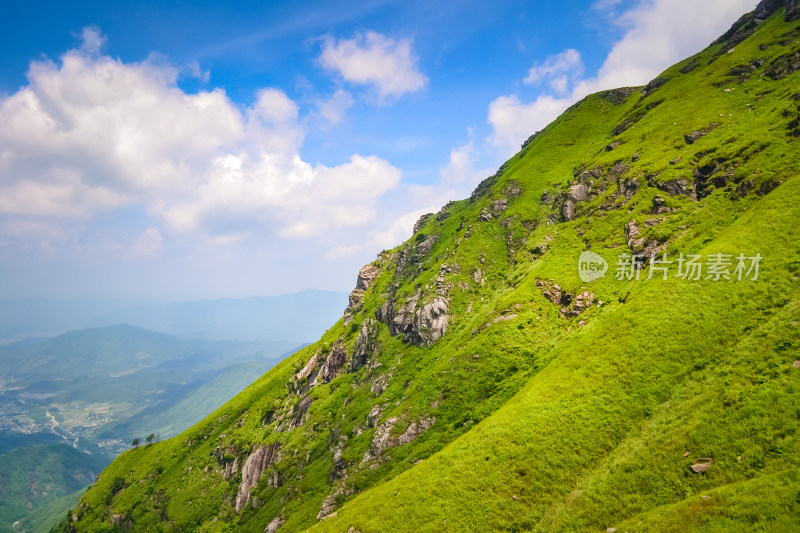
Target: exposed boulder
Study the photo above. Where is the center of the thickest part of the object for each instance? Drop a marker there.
(659, 206)
(297, 414)
(568, 209)
(430, 322)
(426, 246)
(767, 7)
(696, 135)
(274, 525)
(333, 363)
(569, 306)
(619, 96)
(366, 344)
(339, 470)
(328, 505)
(308, 370)
(676, 187)
(419, 224)
(512, 189)
(582, 302)
(374, 416)
(577, 193)
(639, 246)
(499, 206)
(784, 66)
(383, 440)
(380, 384)
(485, 215)
(401, 320)
(252, 470)
(610, 146)
(653, 85)
(419, 324)
(366, 276)
(701, 465)
(630, 188)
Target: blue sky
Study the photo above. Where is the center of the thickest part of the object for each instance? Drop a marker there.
(189, 150)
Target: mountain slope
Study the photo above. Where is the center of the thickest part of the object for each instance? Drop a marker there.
(478, 383)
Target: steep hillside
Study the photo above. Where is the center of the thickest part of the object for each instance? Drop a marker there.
(481, 380)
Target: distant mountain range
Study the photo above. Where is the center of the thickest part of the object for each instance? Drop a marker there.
(69, 404)
(297, 317)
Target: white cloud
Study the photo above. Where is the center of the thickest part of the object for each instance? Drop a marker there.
(658, 34)
(343, 251)
(374, 59)
(399, 230)
(513, 122)
(93, 134)
(557, 68)
(333, 109)
(92, 40)
(196, 71)
(148, 243)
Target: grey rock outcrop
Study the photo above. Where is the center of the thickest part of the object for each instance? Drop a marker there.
(421, 324)
(366, 344)
(499, 206)
(676, 187)
(366, 276)
(659, 206)
(382, 440)
(274, 525)
(431, 321)
(695, 136)
(426, 246)
(577, 193)
(297, 416)
(419, 224)
(701, 465)
(333, 363)
(253, 468)
(328, 506)
(569, 305)
(640, 246)
(374, 416)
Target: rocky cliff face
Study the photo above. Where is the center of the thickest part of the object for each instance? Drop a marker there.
(253, 469)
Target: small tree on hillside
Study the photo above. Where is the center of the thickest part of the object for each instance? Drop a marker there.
(136, 442)
(150, 438)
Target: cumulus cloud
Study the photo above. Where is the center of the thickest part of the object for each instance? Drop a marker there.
(333, 109)
(658, 33)
(91, 134)
(513, 121)
(399, 230)
(559, 69)
(373, 59)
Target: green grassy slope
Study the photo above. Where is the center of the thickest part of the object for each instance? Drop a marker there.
(525, 417)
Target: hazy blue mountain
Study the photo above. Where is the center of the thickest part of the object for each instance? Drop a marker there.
(83, 384)
(296, 317)
(291, 317)
(69, 404)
